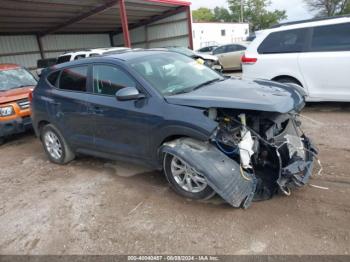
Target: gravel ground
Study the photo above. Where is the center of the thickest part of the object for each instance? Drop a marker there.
(95, 206)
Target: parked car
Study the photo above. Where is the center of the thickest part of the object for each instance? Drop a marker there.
(209, 133)
(43, 63)
(230, 55)
(209, 60)
(71, 56)
(207, 49)
(15, 85)
(314, 55)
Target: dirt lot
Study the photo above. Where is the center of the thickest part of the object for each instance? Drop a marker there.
(94, 206)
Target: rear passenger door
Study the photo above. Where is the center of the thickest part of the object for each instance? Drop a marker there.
(279, 52)
(326, 65)
(68, 106)
(120, 127)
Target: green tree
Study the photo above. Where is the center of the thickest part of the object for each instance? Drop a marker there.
(203, 14)
(329, 7)
(255, 13)
(223, 14)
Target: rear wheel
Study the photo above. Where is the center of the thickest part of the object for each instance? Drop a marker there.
(55, 145)
(185, 180)
(2, 140)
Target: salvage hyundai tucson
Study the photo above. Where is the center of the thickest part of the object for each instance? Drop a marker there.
(209, 133)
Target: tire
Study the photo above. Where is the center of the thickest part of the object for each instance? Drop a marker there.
(2, 141)
(200, 190)
(55, 145)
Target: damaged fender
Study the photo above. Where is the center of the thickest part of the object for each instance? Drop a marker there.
(224, 175)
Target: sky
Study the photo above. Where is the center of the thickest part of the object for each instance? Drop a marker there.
(296, 9)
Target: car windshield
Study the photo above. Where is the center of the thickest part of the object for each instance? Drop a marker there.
(14, 78)
(172, 73)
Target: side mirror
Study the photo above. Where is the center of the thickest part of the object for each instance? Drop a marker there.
(128, 93)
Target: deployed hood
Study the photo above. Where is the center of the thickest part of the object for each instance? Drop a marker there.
(232, 93)
(15, 94)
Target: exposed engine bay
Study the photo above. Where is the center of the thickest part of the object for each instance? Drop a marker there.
(251, 156)
(270, 146)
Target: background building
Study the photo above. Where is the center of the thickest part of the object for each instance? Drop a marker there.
(205, 34)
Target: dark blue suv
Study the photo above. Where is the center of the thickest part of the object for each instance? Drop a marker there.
(209, 133)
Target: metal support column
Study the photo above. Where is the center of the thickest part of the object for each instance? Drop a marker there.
(125, 24)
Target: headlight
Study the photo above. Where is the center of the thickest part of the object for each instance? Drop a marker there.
(6, 111)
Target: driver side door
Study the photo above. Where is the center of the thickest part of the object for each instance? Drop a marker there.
(120, 127)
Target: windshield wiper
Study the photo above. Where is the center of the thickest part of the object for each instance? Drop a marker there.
(208, 83)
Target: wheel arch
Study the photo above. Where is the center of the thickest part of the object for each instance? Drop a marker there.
(176, 133)
(294, 79)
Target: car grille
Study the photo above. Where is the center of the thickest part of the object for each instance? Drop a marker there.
(23, 104)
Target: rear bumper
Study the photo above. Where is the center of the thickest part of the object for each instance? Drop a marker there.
(15, 126)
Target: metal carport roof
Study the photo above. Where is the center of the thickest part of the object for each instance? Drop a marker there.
(43, 17)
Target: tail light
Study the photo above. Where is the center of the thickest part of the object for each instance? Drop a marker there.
(248, 60)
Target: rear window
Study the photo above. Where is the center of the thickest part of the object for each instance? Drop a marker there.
(74, 79)
(290, 41)
(52, 78)
(331, 38)
(63, 59)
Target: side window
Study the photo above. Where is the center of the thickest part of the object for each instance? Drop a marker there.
(231, 48)
(52, 78)
(219, 50)
(107, 80)
(77, 57)
(240, 47)
(331, 38)
(63, 59)
(223, 32)
(74, 79)
(290, 41)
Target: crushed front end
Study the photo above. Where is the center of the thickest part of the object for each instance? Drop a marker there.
(268, 146)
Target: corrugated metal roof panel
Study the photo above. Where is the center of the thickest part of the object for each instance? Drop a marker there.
(67, 42)
(24, 60)
(167, 30)
(20, 43)
(42, 15)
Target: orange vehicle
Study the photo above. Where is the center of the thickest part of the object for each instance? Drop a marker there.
(16, 83)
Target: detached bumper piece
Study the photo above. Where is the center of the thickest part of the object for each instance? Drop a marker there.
(299, 170)
(223, 174)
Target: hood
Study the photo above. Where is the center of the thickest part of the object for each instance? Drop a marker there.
(15, 94)
(207, 56)
(232, 93)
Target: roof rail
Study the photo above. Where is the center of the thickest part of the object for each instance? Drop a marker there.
(309, 20)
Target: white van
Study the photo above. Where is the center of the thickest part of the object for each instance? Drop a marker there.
(314, 54)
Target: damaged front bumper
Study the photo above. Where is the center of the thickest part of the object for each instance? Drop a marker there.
(223, 174)
(294, 160)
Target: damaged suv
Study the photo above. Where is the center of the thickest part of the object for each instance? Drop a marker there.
(209, 133)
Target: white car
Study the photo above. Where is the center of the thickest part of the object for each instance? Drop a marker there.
(313, 54)
(70, 56)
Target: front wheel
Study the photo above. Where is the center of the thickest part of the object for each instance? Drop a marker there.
(185, 180)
